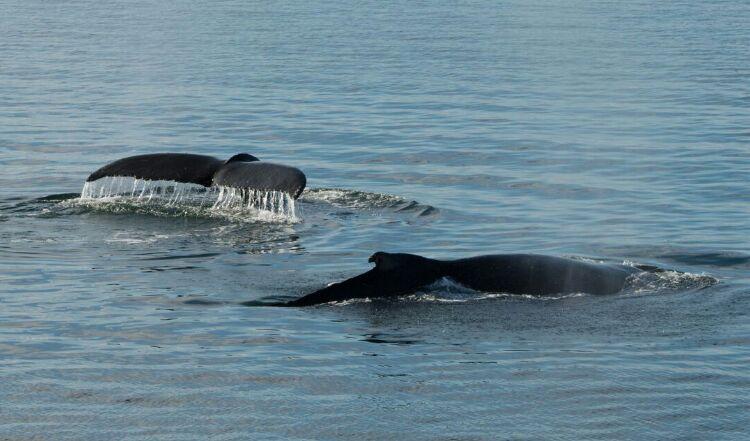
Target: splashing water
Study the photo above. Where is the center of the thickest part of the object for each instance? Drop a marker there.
(141, 190)
(240, 198)
(228, 201)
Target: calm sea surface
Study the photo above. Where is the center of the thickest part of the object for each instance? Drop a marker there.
(608, 130)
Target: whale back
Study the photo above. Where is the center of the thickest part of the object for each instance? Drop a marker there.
(393, 275)
(537, 275)
(398, 274)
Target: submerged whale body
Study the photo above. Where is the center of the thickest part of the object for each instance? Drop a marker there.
(399, 274)
(239, 171)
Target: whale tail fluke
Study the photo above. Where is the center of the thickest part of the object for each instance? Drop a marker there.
(258, 175)
(242, 171)
(179, 167)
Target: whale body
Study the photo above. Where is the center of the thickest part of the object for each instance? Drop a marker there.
(399, 274)
(239, 171)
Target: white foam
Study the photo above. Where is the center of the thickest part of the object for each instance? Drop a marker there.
(666, 281)
(351, 198)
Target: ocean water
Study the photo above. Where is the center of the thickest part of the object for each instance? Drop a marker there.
(614, 131)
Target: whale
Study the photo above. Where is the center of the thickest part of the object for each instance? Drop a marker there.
(243, 171)
(398, 274)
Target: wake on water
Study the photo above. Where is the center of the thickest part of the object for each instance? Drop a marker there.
(170, 198)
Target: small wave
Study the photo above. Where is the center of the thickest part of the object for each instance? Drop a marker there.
(24, 205)
(198, 301)
(129, 239)
(666, 281)
(711, 258)
(57, 197)
(440, 297)
(443, 298)
(168, 198)
(447, 290)
(360, 200)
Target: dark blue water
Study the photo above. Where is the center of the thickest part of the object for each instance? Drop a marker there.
(615, 131)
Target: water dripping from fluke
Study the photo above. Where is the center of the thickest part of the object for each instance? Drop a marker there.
(189, 199)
